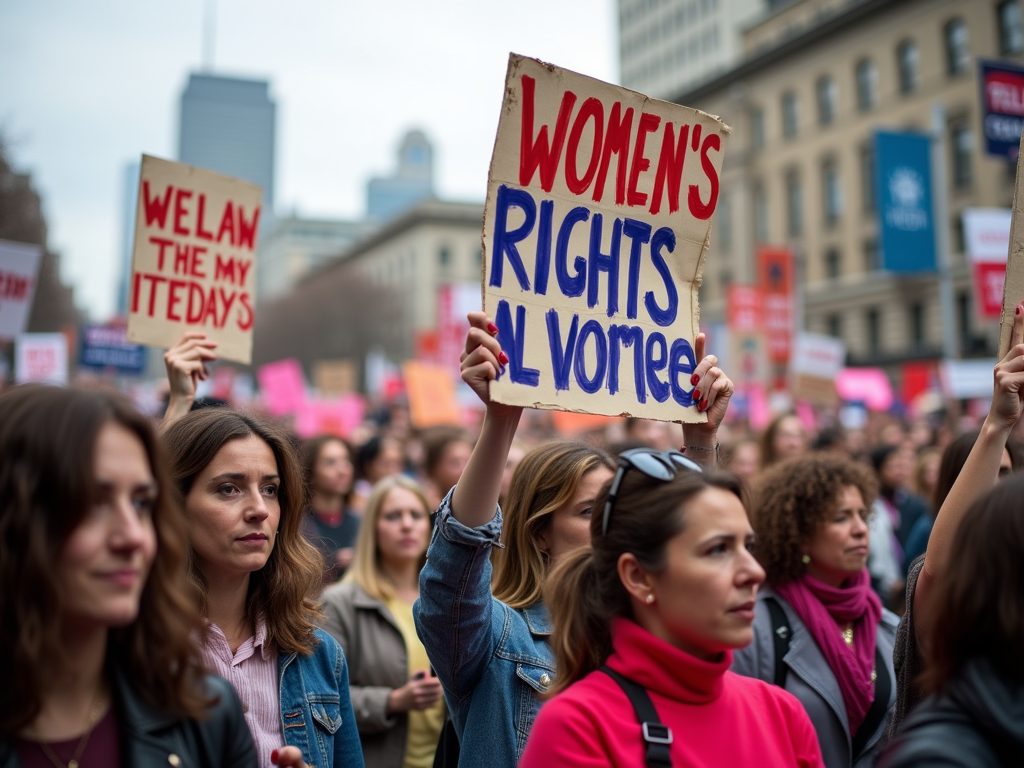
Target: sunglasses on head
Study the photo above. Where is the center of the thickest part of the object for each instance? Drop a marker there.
(661, 465)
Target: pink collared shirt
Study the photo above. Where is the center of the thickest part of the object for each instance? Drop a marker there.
(252, 670)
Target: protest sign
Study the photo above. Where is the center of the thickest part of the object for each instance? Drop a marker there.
(1013, 288)
(194, 260)
(41, 357)
(598, 215)
(987, 240)
(817, 361)
(106, 348)
(333, 377)
(431, 391)
(19, 269)
(283, 386)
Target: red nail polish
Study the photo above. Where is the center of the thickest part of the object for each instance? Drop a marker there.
(273, 757)
(696, 397)
(694, 379)
(703, 405)
(492, 328)
(503, 358)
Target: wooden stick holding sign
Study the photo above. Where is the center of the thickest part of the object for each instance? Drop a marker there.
(194, 260)
(596, 227)
(1013, 286)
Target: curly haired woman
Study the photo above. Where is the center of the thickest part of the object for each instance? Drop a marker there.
(820, 631)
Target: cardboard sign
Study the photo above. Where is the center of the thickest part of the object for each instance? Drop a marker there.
(41, 357)
(817, 361)
(598, 215)
(431, 391)
(333, 377)
(1013, 288)
(19, 270)
(338, 416)
(194, 260)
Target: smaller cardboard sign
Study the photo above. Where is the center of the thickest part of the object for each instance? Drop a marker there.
(964, 379)
(333, 377)
(194, 258)
(42, 358)
(336, 416)
(1013, 289)
(283, 386)
(817, 355)
(431, 392)
(19, 271)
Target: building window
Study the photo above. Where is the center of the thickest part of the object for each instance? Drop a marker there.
(790, 115)
(828, 98)
(867, 85)
(962, 141)
(834, 326)
(833, 264)
(757, 128)
(958, 50)
(872, 262)
(908, 59)
(444, 256)
(833, 192)
(867, 177)
(1011, 33)
(794, 205)
(723, 223)
(964, 310)
(872, 321)
(760, 215)
(917, 324)
(725, 278)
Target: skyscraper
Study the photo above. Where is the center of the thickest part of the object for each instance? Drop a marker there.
(227, 125)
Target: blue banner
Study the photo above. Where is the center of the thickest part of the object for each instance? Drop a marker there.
(1002, 107)
(106, 348)
(905, 215)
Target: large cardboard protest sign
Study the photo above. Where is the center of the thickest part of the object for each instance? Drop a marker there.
(19, 270)
(1013, 287)
(194, 262)
(597, 221)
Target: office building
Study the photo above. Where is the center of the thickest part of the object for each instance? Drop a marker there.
(413, 181)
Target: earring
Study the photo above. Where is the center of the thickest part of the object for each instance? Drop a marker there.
(806, 559)
(650, 599)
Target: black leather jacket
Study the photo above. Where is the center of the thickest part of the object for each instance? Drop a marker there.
(976, 722)
(149, 737)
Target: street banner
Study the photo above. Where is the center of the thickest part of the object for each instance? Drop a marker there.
(778, 284)
(106, 348)
(748, 361)
(194, 260)
(19, 271)
(596, 226)
(987, 240)
(41, 358)
(1013, 288)
(904, 194)
(1002, 107)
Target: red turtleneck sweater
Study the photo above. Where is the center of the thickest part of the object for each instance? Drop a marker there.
(718, 719)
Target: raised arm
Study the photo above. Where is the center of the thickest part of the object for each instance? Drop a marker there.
(980, 472)
(186, 367)
(712, 390)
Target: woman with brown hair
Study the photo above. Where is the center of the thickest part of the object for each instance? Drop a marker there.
(396, 698)
(256, 579)
(331, 525)
(95, 615)
(783, 438)
(974, 668)
(820, 631)
(488, 638)
(652, 612)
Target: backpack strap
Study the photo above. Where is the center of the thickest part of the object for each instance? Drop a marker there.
(781, 635)
(875, 715)
(657, 736)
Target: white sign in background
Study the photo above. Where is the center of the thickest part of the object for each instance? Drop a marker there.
(19, 271)
(818, 355)
(987, 234)
(42, 358)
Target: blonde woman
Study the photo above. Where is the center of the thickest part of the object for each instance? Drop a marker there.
(396, 698)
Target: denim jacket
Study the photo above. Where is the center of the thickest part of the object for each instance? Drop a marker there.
(492, 660)
(316, 708)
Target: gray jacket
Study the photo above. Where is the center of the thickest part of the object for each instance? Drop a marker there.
(377, 664)
(811, 680)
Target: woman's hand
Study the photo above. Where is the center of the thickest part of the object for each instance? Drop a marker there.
(288, 757)
(422, 691)
(482, 360)
(1008, 388)
(186, 367)
(712, 389)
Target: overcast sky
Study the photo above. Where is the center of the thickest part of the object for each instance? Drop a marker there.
(87, 87)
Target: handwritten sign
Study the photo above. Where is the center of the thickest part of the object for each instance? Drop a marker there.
(41, 357)
(431, 391)
(283, 386)
(19, 268)
(1013, 288)
(597, 221)
(194, 262)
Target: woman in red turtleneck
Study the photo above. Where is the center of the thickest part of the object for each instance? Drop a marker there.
(662, 597)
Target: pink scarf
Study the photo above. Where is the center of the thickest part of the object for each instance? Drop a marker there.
(824, 609)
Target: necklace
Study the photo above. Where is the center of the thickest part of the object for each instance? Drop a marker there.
(90, 725)
(848, 636)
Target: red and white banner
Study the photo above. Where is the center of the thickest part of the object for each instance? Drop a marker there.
(987, 241)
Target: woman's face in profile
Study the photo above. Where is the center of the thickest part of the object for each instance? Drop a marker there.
(104, 564)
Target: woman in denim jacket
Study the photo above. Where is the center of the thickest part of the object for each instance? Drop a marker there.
(491, 651)
(257, 581)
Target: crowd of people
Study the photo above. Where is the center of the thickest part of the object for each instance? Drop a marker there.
(209, 590)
